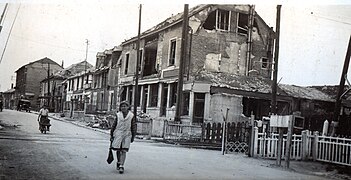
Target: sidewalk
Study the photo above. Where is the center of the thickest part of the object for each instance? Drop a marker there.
(305, 167)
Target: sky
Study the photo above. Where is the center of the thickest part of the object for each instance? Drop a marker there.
(313, 36)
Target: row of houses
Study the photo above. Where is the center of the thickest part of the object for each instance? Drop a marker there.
(227, 66)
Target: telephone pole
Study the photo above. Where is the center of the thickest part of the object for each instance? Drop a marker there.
(181, 62)
(342, 84)
(85, 97)
(136, 89)
(275, 64)
(86, 60)
(274, 84)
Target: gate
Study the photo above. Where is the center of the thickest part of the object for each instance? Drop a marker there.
(237, 137)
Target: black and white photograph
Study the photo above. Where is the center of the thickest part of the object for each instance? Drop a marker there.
(183, 90)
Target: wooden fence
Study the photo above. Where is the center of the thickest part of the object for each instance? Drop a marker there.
(306, 146)
(237, 134)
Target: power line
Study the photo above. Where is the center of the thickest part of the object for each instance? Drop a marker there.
(330, 19)
(51, 45)
(8, 37)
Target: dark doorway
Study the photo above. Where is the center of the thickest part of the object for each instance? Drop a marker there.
(199, 106)
(164, 99)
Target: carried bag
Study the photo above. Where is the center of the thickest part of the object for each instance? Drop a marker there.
(110, 156)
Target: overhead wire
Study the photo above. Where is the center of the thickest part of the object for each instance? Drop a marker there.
(8, 37)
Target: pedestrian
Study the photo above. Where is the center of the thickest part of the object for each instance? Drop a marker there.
(43, 117)
(1, 105)
(122, 133)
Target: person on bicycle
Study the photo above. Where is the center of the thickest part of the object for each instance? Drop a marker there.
(43, 117)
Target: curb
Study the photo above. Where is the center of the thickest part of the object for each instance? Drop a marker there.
(75, 123)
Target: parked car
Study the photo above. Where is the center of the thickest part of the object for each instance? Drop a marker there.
(23, 104)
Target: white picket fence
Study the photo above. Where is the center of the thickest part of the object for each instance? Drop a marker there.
(267, 146)
(306, 146)
(333, 149)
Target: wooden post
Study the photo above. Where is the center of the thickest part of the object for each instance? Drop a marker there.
(280, 146)
(315, 146)
(224, 131)
(252, 139)
(150, 129)
(288, 141)
(304, 145)
(255, 141)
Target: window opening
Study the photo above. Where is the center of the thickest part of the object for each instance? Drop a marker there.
(219, 20)
(172, 52)
(154, 95)
(223, 20)
(127, 62)
(243, 23)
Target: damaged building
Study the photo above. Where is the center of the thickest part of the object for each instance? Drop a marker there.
(223, 40)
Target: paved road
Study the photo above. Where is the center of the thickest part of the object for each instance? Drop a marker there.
(72, 152)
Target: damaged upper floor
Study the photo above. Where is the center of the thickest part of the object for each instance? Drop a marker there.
(222, 38)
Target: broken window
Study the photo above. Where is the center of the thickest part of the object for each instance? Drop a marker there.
(243, 23)
(150, 54)
(218, 20)
(172, 52)
(127, 62)
(258, 107)
(264, 63)
(153, 95)
(223, 20)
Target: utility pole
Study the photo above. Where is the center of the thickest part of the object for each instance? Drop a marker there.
(274, 84)
(86, 60)
(181, 62)
(136, 89)
(342, 83)
(275, 64)
(86, 76)
(49, 94)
